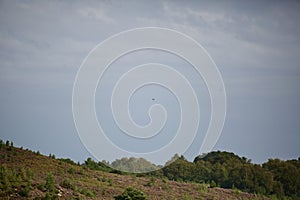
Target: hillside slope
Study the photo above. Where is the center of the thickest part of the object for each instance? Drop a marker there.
(28, 175)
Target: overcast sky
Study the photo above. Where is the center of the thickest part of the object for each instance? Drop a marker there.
(255, 44)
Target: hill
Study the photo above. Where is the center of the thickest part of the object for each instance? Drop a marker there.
(28, 175)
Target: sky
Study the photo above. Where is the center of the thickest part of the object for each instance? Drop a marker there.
(255, 45)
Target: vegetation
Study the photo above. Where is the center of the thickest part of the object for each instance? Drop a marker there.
(131, 194)
(227, 170)
(29, 175)
(91, 164)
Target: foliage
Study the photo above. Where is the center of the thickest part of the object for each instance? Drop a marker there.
(49, 185)
(25, 191)
(287, 175)
(5, 183)
(71, 170)
(11, 178)
(179, 170)
(228, 170)
(91, 164)
(151, 181)
(87, 192)
(219, 157)
(51, 192)
(1, 144)
(68, 184)
(67, 160)
(131, 194)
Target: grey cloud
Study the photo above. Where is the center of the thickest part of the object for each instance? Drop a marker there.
(254, 43)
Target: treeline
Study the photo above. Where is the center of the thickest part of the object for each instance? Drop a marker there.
(220, 169)
(227, 170)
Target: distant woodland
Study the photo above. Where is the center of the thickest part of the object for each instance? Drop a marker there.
(220, 169)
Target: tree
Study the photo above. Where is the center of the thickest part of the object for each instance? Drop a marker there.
(202, 171)
(219, 157)
(287, 173)
(220, 174)
(51, 192)
(49, 185)
(180, 169)
(174, 158)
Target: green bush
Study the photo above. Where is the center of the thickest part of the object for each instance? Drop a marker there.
(29, 174)
(103, 191)
(213, 184)
(66, 183)
(151, 182)
(40, 186)
(25, 191)
(71, 170)
(67, 160)
(50, 196)
(51, 192)
(87, 192)
(5, 180)
(50, 187)
(131, 194)
(110, 182)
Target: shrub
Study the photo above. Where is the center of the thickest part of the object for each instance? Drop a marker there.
(29, 175)
(67, 160)
(71, 170)
(66, 183)
(151, 182)
(164, 179)
(110, 182)
(90, 193)
(131, 193)
(213, 184)
(5, 185)
(165, 187)
(87, 192)
(25, 191)
(50, 196)
(40, 186)
(49, 185)
(103, 191)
